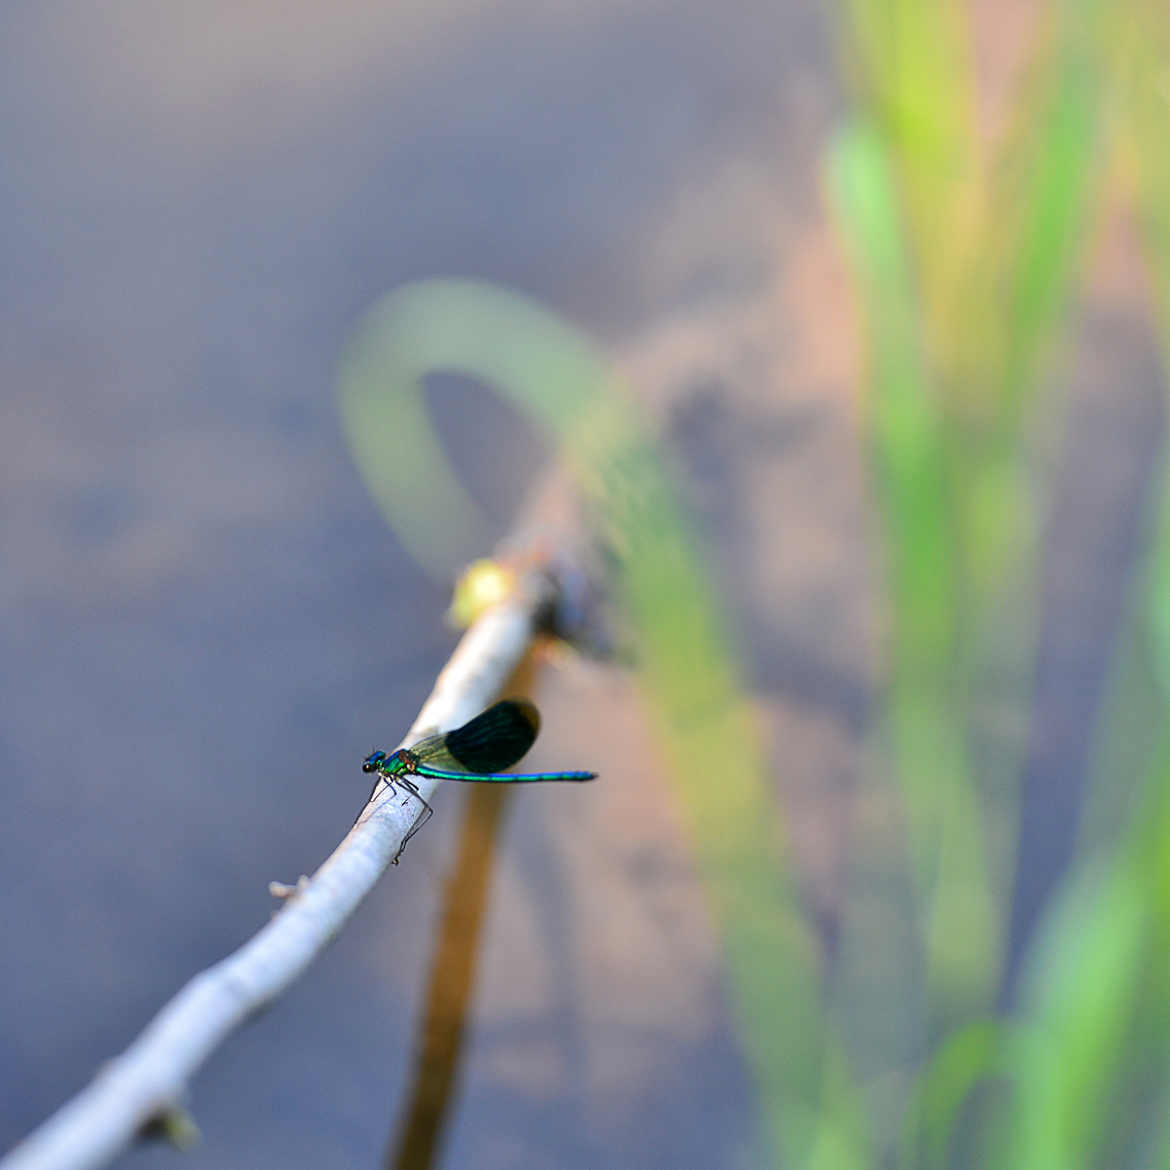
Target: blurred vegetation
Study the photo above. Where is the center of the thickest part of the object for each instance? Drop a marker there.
(966, 248)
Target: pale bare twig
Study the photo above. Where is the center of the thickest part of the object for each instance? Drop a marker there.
(146, 1084)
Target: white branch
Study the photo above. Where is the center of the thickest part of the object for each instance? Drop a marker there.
(148, 1080)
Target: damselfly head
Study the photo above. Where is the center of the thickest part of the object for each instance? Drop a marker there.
(373, 762)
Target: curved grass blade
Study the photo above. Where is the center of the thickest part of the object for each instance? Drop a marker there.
(807, 1103)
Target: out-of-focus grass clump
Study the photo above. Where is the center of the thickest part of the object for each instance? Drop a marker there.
(966, 249)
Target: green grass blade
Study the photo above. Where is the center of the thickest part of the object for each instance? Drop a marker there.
(1059, 152)
(963, 932)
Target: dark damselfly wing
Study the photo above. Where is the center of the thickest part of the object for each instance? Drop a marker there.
(494, 740)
